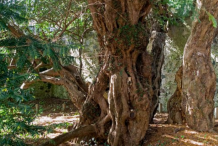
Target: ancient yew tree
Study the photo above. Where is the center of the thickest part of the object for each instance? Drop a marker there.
(128, 65)
(131, 58)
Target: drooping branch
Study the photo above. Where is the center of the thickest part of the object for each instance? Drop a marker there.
(97, 90)
(50, 72)
(52, 80)
(43, 78)
(49, 75)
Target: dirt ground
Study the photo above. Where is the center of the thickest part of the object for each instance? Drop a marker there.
(158, 134)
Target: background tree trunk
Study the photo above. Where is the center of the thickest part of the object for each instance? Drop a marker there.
(174, 105)
(199, 81)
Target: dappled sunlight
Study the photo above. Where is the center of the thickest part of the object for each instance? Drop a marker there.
(47, 120)
(52, 135)
(211, 138)
(208, 136)
(180, 135)
(191, 132)
(183, 140)
(168, 125)
(158, 134)
(54, 120)
(56, 124)
(192, 142)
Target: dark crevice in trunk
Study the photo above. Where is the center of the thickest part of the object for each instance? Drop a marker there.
(158, 43)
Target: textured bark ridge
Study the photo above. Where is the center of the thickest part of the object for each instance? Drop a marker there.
(174, 105)
(199, 80)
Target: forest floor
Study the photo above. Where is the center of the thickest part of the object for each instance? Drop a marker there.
(158, 134)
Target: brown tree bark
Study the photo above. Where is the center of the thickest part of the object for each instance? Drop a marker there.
(174, 105)
(199, 80)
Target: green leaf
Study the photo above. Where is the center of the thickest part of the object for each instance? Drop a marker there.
(212, 19)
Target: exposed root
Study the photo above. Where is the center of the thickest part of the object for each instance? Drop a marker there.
(80, 132)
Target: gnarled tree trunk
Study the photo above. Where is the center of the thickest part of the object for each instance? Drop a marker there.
(128, 65)
(199, 80)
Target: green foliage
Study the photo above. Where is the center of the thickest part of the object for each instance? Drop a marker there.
(50, 17)
(11, 11)
(26, 52)
(16, 115)
(47, 20)
(173, 11)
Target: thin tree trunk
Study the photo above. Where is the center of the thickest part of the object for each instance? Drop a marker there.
(199, 80)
